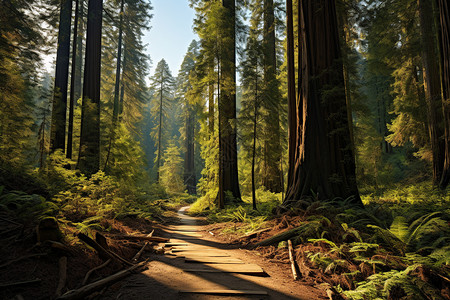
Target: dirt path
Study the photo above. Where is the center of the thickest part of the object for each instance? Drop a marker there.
(174, 277)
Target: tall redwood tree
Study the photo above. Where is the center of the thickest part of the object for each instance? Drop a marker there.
(89, 156)
(58, 127)
(228, 171)
(444, 38)
(321, 161)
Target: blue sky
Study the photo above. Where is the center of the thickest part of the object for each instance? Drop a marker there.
(171, 32)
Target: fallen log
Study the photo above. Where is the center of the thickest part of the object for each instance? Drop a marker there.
(142, 237)
(102, 251)
(285, 235)
(254, 233)
(86, 290)
(86, 278)
(292, 260)
(62, 275)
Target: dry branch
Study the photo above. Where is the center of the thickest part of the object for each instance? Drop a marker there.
(136, 257)
(62, 275)
(10, 284)
(291, 258)
(101, 251)
(86, 290)
(142, 237)
(93, 270)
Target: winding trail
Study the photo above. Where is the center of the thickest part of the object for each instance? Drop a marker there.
(197, 267)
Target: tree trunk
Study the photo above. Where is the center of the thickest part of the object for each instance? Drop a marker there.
(211, 108)
(444, 38)
(292, 96)
(122, 88)
(89, 157)
(79, 62)
(255, 120)
(272, 178)
(58, 127)
(323, 164)
(228, 171)
(115, 115)
(158, 159)
(72, 84)
(189, 166)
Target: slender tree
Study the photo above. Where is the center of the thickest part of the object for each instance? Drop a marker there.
(322, 165)
(72, 83)
(58, 128)
(162, 85)
(89, 155)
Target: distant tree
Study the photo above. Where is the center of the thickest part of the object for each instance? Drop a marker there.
(272, 175)
(322, 163)
(172, 170)
(89, 154)
(189, 102)
(163, 89)
(58, 128)
(251, 114)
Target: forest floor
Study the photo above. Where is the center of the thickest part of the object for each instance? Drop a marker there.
(164, 277)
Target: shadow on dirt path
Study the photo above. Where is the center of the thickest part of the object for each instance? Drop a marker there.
(172, 276)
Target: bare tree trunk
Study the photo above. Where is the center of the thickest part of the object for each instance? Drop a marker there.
(228, 171)
(255, 120)
(272, 178)
(292, 95)
(323, 165)
(89, 157)
(58, 127)
(79, 62)
(158, 159)
(444, 14)
(432, 89)
(189, 166)
(72, 84)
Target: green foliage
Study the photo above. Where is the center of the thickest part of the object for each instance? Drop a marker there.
(172, 170)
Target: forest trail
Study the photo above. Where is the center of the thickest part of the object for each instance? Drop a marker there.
(198, 264)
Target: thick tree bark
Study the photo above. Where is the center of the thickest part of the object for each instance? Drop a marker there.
(72, 84)
(189, 165)
(89, 157)
(58, 127)
(432, 89)
(272, 177)
(228, 171)
(323, 164)
(444, 38)
(292, 94)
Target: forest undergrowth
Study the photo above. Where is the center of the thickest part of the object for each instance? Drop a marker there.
(72, 203)
(396, 247)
